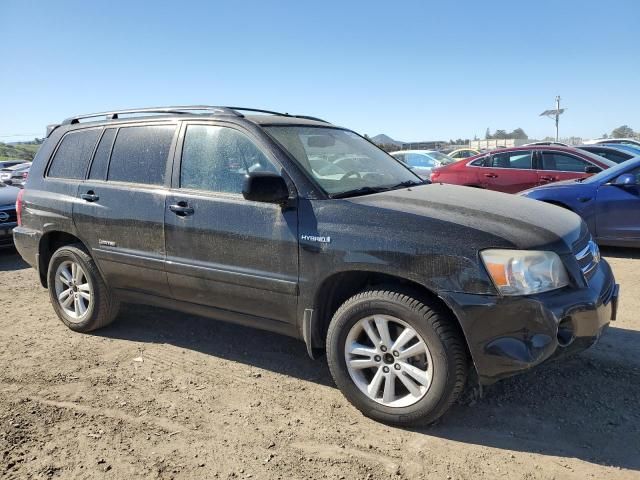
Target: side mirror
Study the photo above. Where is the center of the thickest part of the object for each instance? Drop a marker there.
(267, 187)
(625, 180)
(592, 169)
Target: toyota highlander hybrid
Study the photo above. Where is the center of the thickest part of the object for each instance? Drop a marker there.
(291, 224)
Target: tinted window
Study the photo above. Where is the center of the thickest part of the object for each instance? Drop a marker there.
(562, 162)
(100, 162)
(520, 159)
(140, 154)
(218, 158)
(72, 157)
(479, 162)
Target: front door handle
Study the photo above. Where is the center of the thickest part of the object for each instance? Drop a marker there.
(90, 196)
(182, 209)
(491, 175)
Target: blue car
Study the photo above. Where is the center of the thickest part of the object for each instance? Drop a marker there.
(609, 202)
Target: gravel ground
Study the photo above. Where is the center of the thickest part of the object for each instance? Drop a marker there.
(165, 395)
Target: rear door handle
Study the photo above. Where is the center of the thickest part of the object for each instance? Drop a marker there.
(90, 196)
(181, 209)
(547, 178)
(491, 175)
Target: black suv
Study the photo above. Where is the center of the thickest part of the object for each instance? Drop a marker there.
(290, 224)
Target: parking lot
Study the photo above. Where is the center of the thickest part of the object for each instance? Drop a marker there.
(167, 395)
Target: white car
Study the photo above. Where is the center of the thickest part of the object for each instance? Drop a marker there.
(423, 161)
(623, 141)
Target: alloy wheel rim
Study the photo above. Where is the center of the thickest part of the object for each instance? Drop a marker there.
(388, 360)
(73, 290)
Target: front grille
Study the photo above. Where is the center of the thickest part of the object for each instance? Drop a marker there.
(587, 254)
(11, 211)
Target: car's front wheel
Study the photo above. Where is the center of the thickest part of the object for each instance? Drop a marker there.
(79, 295)
(397, 359)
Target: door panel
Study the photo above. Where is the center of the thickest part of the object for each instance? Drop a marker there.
(123, 225)
(618, 211)
(509, 172)
(558, 166)
(222, 250)
(233, 254)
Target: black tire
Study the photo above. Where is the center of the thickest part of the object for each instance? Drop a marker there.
(438, 330)
(103, 307)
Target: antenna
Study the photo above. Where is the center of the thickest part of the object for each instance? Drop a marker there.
(554, 114)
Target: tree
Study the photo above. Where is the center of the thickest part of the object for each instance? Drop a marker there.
(519, 134)
(623, 132)
(487, 135)
(501, 134)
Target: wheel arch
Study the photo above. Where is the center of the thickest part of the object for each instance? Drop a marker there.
(49, 243)
(338, 287)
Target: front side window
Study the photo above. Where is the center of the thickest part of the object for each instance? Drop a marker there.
(217, 159)
(140, 154)
(521, 159)
(74, 153)
(562, 163)
(356, 167)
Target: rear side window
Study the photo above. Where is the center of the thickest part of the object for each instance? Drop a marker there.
(74, 153)
(101, 158)
(140, 154)
(417, 160)
(520, 159)
(479, 162)
(561, 162)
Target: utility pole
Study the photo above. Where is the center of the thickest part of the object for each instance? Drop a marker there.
(555, 114)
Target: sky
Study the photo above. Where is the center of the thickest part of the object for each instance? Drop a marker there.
(414, 70)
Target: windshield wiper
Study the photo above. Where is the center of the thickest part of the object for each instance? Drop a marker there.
(407, 183)
(359, 191)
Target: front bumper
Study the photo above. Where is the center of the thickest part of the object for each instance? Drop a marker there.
(509, 335)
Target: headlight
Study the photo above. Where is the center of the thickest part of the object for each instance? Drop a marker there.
(524, 272)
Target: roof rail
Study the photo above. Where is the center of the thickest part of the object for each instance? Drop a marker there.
(258, 110)
(180, 109)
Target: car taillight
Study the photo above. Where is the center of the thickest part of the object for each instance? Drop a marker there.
(19, 207)
(25, 175)
(434, 175)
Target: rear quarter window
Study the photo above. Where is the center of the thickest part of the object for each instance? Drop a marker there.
(72, 157)
(140, 154)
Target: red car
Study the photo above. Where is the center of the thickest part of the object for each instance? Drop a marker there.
(515, 169)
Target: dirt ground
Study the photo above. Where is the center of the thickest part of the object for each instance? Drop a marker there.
(165, 395)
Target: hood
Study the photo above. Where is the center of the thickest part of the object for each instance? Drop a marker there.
(8, 195)
(500, 219)
(553, 186)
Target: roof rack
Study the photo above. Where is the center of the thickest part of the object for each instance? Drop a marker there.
(183, 110)
(271, 112)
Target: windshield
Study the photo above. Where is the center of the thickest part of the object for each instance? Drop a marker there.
(342, 162)
(598, 158)
(609, 173)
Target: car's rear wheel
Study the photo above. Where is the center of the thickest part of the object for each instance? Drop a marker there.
(397, 359)
(79, 295)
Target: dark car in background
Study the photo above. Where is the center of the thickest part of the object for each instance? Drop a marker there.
(8, 217)
(10, 163)
(609, 202)
(616, 155)
(512, 170)
(15, 175)
(219, 212)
